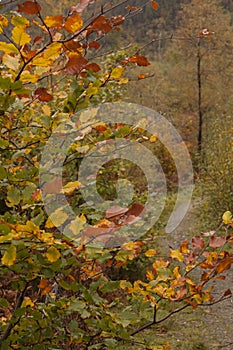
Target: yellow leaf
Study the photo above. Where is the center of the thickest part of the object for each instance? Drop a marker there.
(123, 81)
(150, 276)
(176, 254)
(53, 51)
(5, 238)
(42, 62)
(27, 302)
(27, 77)
(11, 62)
(56, 219)
(117, 72)
(77, 225)
(52, 254)
(9, 256)
(20, 36)
(8, 48)
(150, 252)
(153, 138)
(197, 298)
(227, 217)
(70, 187)
(47, 110)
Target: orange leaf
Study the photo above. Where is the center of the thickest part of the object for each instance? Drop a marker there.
(154, 5)
(224, 265)
(29, 7)
(53, 186)
(73, 23)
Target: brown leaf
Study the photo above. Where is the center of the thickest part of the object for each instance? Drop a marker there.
(216, 242)
(75, 64)
(198, 242)
(29, 7)
(94, 45)
(117, 20)
(227, 292)
(42, 95)
(139, 60)
(93, 66)
(101, 24)
(115, 211)
(136, 209)
(53, 186)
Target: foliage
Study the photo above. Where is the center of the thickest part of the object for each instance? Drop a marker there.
(55, 293)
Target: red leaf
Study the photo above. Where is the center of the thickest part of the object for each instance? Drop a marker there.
(75, 64)
(94, 44)
(154, 5)
(139, 60)
(216, 242)
(93, 66)
(73, 45)
(29, 7)
(43, 95)
(198, 242)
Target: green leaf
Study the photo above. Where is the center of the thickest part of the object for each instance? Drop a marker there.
(9, 256)
(13, 196)
(110, 286)
(3, 173)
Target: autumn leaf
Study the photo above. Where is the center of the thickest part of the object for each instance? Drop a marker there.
(224, 265)
(154, 5)
(73, 23)
(9, 256)
(70, 187)
(139, 60)
(52, 254)
(198, 242)
(150, 252)
(227, 217)
(19, 36)
(57, 218)
(216, 242)
(42, 95)
(54, 21)
(117, 72)
(176, 254)
(94, 44)
(75, 63)
(29, 7)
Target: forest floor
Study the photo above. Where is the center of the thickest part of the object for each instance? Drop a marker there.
(205, 328)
